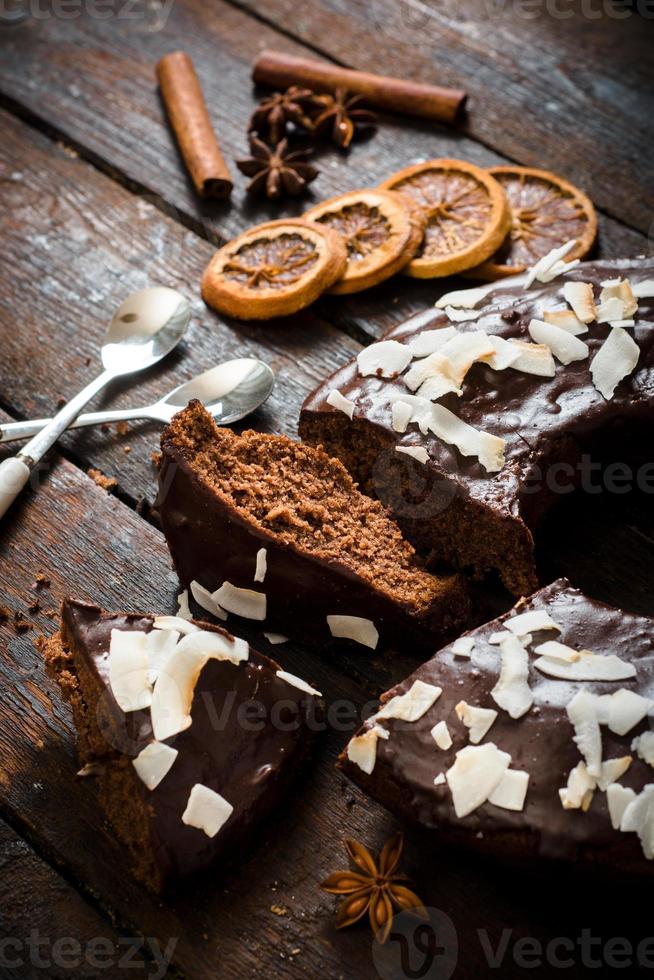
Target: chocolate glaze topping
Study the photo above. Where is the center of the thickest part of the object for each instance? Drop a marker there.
(250, 730)
(541, 742)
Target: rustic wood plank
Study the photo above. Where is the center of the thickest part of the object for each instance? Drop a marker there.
(45, 925)
(75, 245)
(564, 87)
(95, 547)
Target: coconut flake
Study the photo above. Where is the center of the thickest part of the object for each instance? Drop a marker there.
(616, 358)
(510, 792)
(477, 720)
(242, 602)
(275, 638)
(386, 359)
(339, 401)
(554, 650)
(174, 623)
(638, 818)
(206, 810)
(362, 749)
(463, 298)
(261, 565)
(215, 646)
(355, 628)
(643, 745)
(512, 691)
(441, 735)
(460, 316)
(504, 354)
(588, 667)
(172, 696)
(579, 295)
(546, 263)
(477, 771)
(558, 269)
(154, 762)
(618, 799)
(583, 716)
(625, 710)
(469, 441)
(566, 320)
(565, 346)
(450, 364)
(610, 310)
(643, 289)
(463, 646)
(578, 794)
(129, 670)
(436, 373)
(183, 612)
(531, 622)
(429, 341)
(411, 705)
(159, 646)
(533, 359)
(440, 779)
(612, 770)
(417, 452)
(621, 290)
(206, 601)
(297, 682)
(401, 415)
(496, 638)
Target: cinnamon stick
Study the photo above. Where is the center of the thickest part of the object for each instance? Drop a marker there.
(280, 70)
(189, 118)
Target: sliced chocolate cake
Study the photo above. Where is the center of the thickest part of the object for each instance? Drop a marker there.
(176, 722)
(528, 736)
(471, 419)
(273, 530)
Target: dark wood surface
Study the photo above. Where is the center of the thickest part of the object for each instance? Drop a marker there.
(95, 203)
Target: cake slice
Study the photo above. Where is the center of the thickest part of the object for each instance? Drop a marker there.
(158, 706)
(264, 527)
(528, 736)
(508, 398)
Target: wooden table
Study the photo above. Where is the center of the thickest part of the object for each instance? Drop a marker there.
(94, 204)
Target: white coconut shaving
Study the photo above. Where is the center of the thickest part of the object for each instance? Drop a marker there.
(386, 359)
(477, 720)
(566, 320)
(557, 651)
(154, 762)
(460, 315)
(429, 341)
(531, 622)
(440, 779)
(612, 770)
(464, 298)
(544, 267)
(206, 810)
(579, 792)
(182, 626)
(477, 771)
(241, 602)
(435, 373)
(620, 290)
(579, 295)
(618, 799)
(183, 610)
(511, 791)
(355, 628)
(297, 682)
(411, 705)
(159, 645)
(533, 359)
(401, 414)
(261, 566)
(583, 716)
(638, 818)
(206, 601)
(565, 346)
(625, 709)
(512, 692)
(615, 360)
(340, 402)
(643, 289)
(441, 735)
(129, 670)
(463, 647)
(362, 749)
(418, 453)
(588, 666)
(643, 745)
(504, 355)
(275, 638)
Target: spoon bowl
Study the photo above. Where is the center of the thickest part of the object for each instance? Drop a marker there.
(229, 391)
(146, 327)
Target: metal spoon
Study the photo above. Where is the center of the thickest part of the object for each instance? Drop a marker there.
(229, 391)
(144, 329)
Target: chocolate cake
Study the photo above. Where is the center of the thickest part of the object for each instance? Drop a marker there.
(164, 711)
(534, 416)
(276, 531)
(499, 743)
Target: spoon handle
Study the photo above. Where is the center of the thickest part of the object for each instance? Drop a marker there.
(11, 431)
(15, 471)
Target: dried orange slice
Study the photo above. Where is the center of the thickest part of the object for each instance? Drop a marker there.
(383, 231)
(467, 215)
(274, 269)
(546, 211)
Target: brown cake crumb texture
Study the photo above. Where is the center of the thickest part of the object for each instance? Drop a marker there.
(116, 778)
(307, 500)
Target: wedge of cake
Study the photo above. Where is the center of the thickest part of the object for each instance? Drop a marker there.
(163, 709)
(470, 420)
(272, 530)
(529, 736)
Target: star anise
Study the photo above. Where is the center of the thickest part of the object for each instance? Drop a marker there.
(275, 171)
(341, 116)
(375, 889)
(295, 105)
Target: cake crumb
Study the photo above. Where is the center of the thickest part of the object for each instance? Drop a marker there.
(155, 456)
(106, 482)
(5, 614)
(279, 910)
(127, 450)
(122, 427)
(41, 581)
